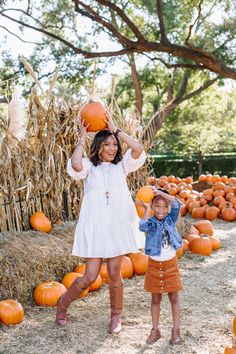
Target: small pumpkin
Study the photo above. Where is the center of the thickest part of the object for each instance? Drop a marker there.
(140, 262)
(96, 284)
(215, 242)
(228, 214)
(104, 273)
(40, 222)
(145, 194)
(185, 245)
(204, 227)
(48, 293)
(141, 210)
(11, 312)
(198, 212)
(94, 114)
(179, 252)
(212, 213)
(234, 326)
(69, 278)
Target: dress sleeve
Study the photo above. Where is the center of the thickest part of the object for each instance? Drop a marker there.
(130, 164)
(87, 164)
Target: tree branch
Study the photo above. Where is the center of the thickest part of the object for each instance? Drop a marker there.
(50, 34)
(124, 17)
(164, 38)
(191, 26)
(13, 34)
(93, 15)
(199, 90)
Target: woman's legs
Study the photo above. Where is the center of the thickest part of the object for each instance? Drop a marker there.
(116, 293)
(175, 308)
(155, 311)
(92, 270)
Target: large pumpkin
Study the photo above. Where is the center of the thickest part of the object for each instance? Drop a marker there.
(229, 350)
(94, 114)
(145, 194)
(40, 222)
(69, 278)
(11, 312)
(201, 245)
(234, 326)
(140, 262)
(228, 214)
(48, 293)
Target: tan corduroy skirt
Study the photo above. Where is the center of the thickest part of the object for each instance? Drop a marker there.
(163, 277)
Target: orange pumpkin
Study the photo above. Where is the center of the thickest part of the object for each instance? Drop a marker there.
(151, 180)
(94, 114)
(179, 252)
(11, 312)
(48, 293)
(104, 273)
(145, 194)
(141, 210)
(229, 350)
(40, 222)
(183, 210)
(80, 268)
(219, 186)
(69, 278)
(204, 227)
(185, 245)
(140, 262)
(191, 237)
(234, 326)
(202, 178)
(215, 242)
(127, 268)
(212, 213)
(198, 212)
(224, 179)
(228, 214)
(215, 178)
(201, 245)
(96, 284)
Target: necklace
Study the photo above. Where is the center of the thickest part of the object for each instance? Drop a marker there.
(106, 170)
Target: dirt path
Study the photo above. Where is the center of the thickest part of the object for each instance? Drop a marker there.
(208, 307)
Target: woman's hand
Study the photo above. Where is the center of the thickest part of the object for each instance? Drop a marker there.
(110, 124)
(83, 130)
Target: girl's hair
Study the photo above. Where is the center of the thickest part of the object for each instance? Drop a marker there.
(95, 147)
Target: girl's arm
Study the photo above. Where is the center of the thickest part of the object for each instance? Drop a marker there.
(136, 147)
(76, 158)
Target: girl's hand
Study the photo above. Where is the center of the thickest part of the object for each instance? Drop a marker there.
(110, 124)
(145, 205)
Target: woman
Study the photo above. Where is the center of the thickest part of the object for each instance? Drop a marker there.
(108, 222)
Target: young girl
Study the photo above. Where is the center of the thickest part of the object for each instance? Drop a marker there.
(162, 241)
(108, 221)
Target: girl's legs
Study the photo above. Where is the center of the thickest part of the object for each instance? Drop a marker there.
(93, 266)
(155, 311)
(116, 293)
(175, 308)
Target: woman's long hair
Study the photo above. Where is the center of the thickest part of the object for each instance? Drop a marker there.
(95, 147)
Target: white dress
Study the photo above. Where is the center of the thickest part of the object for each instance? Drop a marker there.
(107, 227)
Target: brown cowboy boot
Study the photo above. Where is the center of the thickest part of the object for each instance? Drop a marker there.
(175, 336)
(72, 293)
(154, 336)
(116, 300)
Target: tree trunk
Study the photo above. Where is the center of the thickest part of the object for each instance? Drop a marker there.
(136, 85)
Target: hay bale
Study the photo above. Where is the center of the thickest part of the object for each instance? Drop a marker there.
(29, 258)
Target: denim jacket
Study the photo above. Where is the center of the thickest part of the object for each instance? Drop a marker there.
(154, 228)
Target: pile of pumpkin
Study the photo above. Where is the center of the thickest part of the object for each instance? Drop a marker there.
(218, 200)
(232, 350)
(48, 293)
